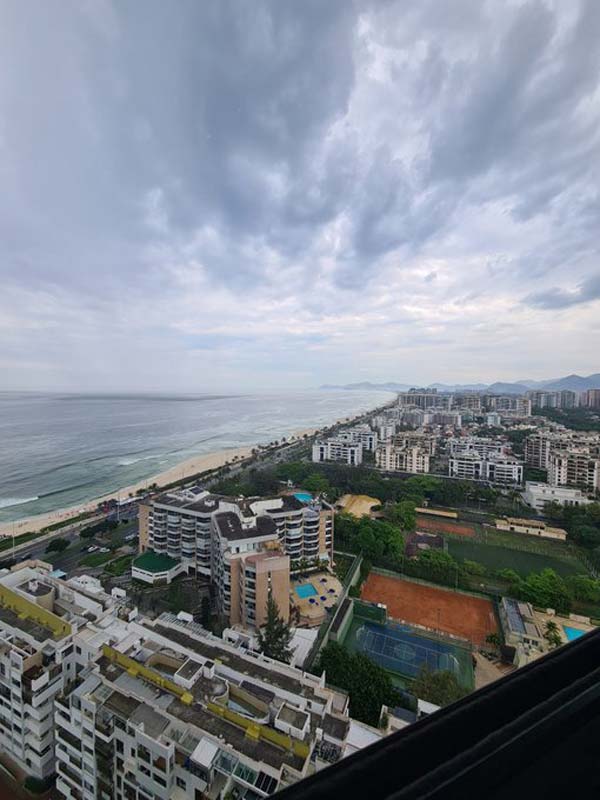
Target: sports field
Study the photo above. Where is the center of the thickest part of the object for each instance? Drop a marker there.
(472, 618)
(443, 526)
(496, 557)
(401, 650)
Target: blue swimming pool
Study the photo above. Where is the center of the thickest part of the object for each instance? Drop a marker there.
(572, 633)
(305, 590)
(304, 497)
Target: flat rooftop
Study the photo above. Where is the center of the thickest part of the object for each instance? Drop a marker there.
(248, 667)
(153, 562)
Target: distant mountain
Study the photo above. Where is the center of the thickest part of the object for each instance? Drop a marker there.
(575, 383)
(507, 388)
(458, 387)
(367, 385)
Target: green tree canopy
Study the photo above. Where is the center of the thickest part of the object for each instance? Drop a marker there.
(368, 684)
(440, 687)
(275, 635)
(57, 545)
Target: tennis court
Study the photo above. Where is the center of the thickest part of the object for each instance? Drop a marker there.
(401, 650)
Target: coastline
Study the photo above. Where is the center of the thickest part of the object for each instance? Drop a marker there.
(185, 469)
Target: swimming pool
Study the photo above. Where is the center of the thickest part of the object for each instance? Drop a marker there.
(305, 590)
(572, 633)
(304, 497)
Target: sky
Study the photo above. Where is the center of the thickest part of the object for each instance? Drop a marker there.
(255, 195)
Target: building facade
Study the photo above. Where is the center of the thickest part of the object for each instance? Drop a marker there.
(339, 450)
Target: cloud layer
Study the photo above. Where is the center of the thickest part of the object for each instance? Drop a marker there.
(277, 194)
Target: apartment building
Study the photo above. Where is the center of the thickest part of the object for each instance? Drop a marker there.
(425, 398)
(38, 618)
(394, 458)
(360, 434)
(578, 466)
(477, 445)
(508, 405)
(591, 398)
(496, 468)
(425, 441)
(562, 399)
(245, 546)
(440, 416)
(538, 494)
(537, 449)
(337, 449)
(169, 712)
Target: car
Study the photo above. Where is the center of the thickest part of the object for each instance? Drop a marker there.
(92, 548)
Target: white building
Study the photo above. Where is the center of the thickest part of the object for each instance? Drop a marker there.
(39, 616)
(168, 712)
(537, 495)
(478, 446)
(392, 458)
(574, 467)
(498, 469)
(359, 434)
(338, 450)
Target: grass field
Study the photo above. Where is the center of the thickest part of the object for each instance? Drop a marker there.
(472, 618)
(495, 557)
(95, 559)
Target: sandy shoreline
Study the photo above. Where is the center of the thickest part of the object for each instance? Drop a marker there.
(186, 469)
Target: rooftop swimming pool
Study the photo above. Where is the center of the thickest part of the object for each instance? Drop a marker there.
(572, 633)
(305, 590)
(304, 497)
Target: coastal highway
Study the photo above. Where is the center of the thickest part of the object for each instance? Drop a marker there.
(35, 548)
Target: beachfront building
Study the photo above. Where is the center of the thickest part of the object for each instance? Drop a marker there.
(168, 711)
(393, 458)
(337, 449)
(538, 494)
(496, 468)
(244, 545)
(531, 527)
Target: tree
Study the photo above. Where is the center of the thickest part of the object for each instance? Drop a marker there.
(57, 545)
(368, 685)
(403, 514)
(275, 635)
(552, 635)
(546, 589)
(439, 687)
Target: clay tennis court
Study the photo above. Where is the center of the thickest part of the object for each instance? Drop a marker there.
(472, 618)
(442, 526)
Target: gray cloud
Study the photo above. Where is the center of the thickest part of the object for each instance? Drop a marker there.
(586, 292)
(227, 180)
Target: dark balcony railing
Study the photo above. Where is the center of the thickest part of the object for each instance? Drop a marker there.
(528, 735)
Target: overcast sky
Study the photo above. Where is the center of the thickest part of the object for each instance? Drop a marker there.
(262, 195)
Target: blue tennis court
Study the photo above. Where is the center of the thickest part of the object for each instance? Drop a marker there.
(402, 650)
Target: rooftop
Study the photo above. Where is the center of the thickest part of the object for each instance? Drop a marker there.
(153, 562)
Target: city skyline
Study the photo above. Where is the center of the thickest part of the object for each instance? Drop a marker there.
(219, 198)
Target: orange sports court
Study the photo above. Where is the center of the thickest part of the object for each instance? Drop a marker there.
(443, 526)
(443, 610)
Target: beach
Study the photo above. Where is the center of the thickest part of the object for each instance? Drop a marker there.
(179, 472)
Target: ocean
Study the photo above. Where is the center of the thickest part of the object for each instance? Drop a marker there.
(59, 450)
